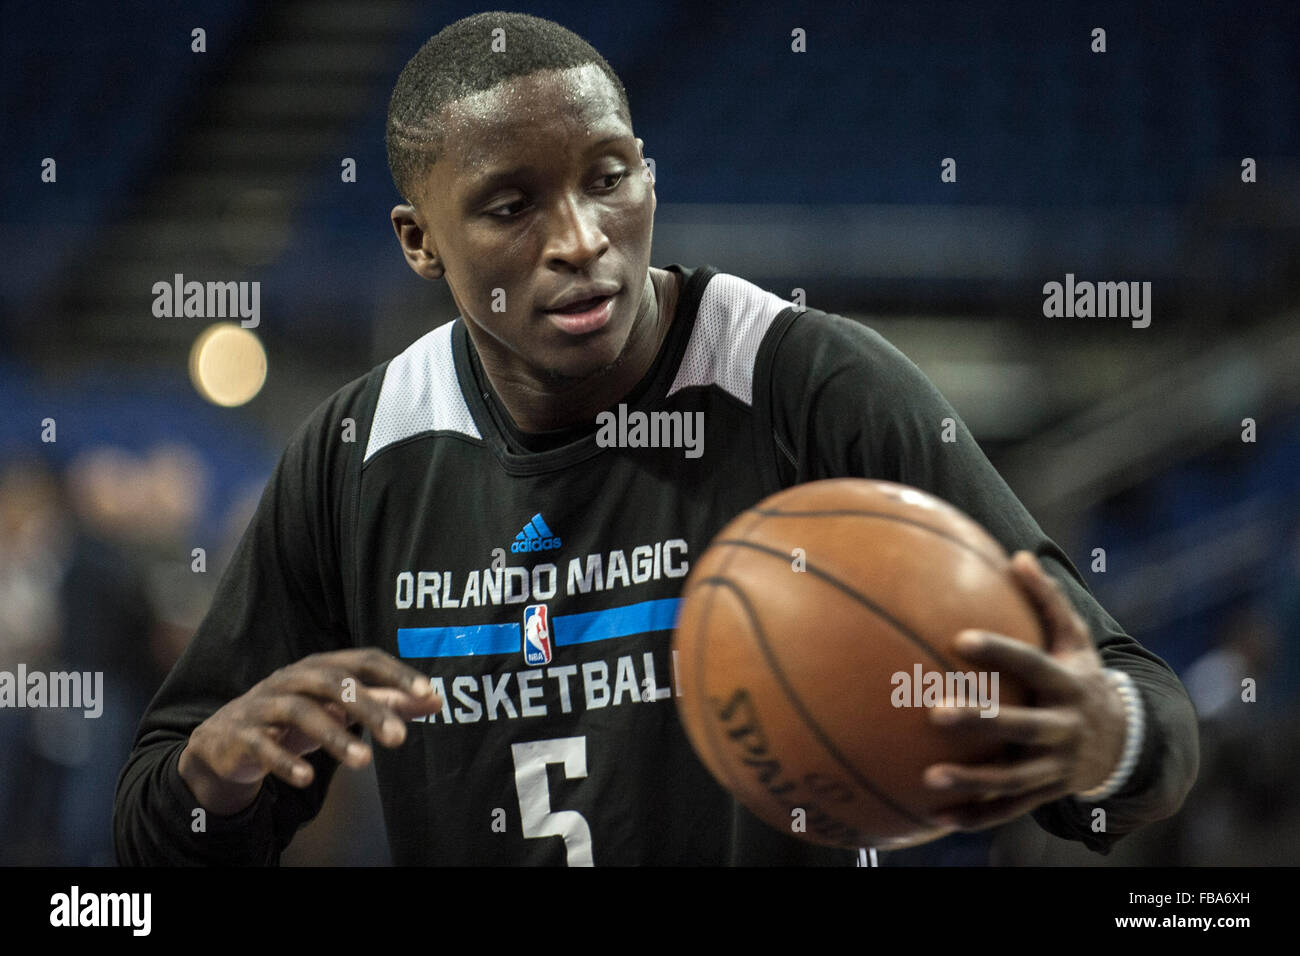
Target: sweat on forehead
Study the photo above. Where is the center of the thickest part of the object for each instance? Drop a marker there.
(580, 96)
(490, 62)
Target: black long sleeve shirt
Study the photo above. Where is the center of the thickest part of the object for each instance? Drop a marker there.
(439, 532)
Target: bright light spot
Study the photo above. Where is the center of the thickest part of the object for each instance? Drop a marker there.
(227, 364)
(913, 497)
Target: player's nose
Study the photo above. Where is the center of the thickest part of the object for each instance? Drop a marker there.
(575, 234)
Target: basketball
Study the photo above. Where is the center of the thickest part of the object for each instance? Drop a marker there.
(814, 636)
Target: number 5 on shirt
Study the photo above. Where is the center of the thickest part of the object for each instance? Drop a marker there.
(539, 820)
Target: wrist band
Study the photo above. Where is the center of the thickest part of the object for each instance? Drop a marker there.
(1135, 721)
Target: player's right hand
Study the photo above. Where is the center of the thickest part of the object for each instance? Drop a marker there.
(297, 710)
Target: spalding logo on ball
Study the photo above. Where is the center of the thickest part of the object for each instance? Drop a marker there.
(803, 634)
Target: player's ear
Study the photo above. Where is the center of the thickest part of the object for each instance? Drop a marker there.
(417, 248)
(640, 149)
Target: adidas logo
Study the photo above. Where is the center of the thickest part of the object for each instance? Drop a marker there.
(536, 536)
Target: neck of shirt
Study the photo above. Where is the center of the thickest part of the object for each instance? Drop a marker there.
(525, 443)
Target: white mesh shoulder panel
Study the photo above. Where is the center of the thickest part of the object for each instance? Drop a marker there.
(420, 393)
(733, 318)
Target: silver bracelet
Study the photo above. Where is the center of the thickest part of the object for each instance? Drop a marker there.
(1135, 721)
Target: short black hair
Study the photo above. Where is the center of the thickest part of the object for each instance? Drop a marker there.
(458, 61)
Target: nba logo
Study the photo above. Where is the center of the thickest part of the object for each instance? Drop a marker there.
(537, 635)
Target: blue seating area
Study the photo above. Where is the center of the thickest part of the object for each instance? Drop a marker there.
(1034, 118)
(730, 115)
(102, 89)
(1170, 506)
(134, 413)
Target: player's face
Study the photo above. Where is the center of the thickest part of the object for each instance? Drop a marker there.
(542, 190)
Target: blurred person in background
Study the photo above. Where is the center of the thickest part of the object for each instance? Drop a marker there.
(127, 597)
(34, 541)
(95, 576)
(1242, 811)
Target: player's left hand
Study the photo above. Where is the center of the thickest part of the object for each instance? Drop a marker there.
(1070, 739)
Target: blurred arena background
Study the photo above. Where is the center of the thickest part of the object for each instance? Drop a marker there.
(817, 171)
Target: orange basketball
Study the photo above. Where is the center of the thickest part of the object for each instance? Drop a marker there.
(815, 634)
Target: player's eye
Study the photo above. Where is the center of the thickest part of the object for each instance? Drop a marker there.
(502, 212)
(610, 182)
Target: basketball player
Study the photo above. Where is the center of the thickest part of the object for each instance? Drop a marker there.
(486, 578)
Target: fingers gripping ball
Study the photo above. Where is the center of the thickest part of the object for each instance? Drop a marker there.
(817, 630)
